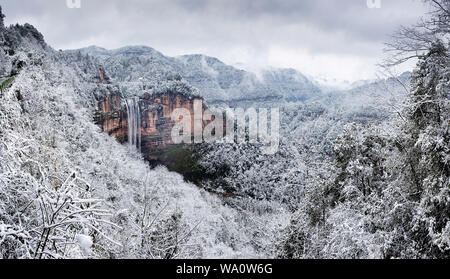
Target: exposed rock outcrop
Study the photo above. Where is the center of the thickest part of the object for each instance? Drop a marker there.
(102, 78)
(155, 119)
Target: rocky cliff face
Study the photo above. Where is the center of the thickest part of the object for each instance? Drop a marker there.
(112, 117)
(20, 45)
(151, 116)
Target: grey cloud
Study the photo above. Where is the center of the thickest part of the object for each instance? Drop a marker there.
(214, 27)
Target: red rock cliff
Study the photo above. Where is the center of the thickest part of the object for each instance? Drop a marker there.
(155, 119)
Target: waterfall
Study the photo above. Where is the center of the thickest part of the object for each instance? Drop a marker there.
(134, 123)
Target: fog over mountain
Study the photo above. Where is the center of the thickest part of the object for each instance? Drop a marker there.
(346, 36)
(215, 80)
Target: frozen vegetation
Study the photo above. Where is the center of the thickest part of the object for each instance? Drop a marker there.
(69, 190)
(360, 173)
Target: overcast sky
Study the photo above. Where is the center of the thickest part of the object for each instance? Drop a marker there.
(340, 39)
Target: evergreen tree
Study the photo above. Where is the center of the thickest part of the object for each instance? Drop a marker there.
(427, 138)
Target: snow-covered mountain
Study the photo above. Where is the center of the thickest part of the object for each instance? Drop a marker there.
(56, 162)
(378, 93)
(292, 85)
(215, 80)
(89, 195)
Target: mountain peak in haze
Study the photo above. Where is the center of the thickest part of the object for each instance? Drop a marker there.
(127, 50)
(293, 85)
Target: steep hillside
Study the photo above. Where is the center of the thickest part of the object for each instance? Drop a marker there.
(215, 80)
(68, 190)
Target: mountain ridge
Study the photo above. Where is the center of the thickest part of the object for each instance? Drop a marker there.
(215, 80)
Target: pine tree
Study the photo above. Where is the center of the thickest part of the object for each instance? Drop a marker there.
(426, 153)
(423, 140)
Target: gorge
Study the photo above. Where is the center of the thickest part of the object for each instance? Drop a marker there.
(145, 123)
